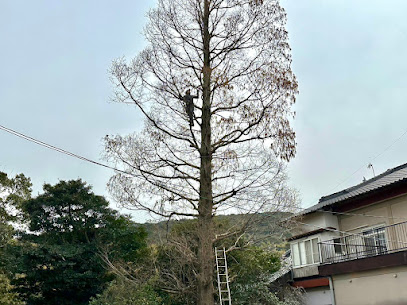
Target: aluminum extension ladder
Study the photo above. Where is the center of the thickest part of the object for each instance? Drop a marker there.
(223, 277)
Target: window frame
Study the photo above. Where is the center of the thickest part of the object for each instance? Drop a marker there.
(374, 235)
(303, 241)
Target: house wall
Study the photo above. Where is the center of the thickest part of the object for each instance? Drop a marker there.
(318, 296)
(311, 270)
(318, 220)
(388, 212)
(398, 208)
(299, 272)
(376, 287)
(328, 235)
(395, 207)
(315, 221)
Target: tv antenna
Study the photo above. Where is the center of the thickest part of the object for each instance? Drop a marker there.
(370, 165)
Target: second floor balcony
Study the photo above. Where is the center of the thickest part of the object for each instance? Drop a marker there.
(371, 242)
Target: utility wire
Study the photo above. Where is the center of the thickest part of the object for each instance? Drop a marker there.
(299, 210)
(336, 230)
(60, 150)
(346, 179)
(371, 159)
(344, 232)
(63, 151)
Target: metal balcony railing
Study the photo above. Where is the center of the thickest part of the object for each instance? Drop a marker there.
(372, 242)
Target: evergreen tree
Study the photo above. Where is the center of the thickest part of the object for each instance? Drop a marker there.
(60, 259)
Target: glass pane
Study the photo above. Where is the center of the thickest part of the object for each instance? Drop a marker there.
(296, 255)
(337, 246)
(308, 252)
(369, 244)
(375, 241)
(302, 253)
(381, 240)
(315, 250)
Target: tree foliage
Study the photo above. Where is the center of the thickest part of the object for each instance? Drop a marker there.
(235, 54)
(68, 210)
(13, 191)
(168, 272)
(60, 259)
(125, 293)
(7, 295)
(249, 271)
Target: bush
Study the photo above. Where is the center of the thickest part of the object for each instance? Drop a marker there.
(125, 293)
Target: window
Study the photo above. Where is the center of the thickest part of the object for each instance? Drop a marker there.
(296, 255)
(315, 250)
(305, 252)
(337, 246)
(375, 241)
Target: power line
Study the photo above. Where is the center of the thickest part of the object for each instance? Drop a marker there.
(63, 151)
(337, 230)
(346, 179)
(299, 210)
(60, 150)
(344, 232)
(371, 159)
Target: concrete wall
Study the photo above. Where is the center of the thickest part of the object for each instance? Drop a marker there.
(396, 207)
(318, 296)
(399, 207)
(385, 286)
(317, 221)
(328, 235)
(389, 212)
(305, 271)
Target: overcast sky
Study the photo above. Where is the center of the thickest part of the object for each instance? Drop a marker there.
(349, 58)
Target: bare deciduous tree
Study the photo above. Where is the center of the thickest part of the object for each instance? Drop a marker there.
(235, 53)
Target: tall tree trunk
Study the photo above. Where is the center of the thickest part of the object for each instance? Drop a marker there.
(205, 221)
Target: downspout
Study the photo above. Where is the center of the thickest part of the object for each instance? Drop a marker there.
(332, 290)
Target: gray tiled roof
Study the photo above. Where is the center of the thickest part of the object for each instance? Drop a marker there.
(286, 266)
(390, 176)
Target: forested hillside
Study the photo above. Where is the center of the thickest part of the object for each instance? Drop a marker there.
(266, 227)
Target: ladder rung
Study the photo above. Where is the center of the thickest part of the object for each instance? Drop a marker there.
(223, 283)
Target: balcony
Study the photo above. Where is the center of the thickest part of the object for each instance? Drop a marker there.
(373, 242)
